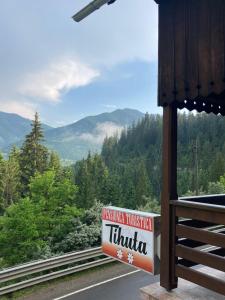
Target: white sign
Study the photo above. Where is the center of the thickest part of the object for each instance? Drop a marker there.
(131, 237)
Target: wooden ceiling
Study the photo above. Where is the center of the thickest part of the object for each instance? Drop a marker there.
(192, 54)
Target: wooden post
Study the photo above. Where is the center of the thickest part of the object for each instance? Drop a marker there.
(169, 192)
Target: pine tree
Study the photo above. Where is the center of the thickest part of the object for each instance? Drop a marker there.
(34, 156)
(54, 162)
(2, 163)
(142, 184)
(83, 180)
(10, 179)
(91, 175)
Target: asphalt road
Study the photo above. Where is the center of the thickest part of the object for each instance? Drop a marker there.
(116, 281)
(121, 288)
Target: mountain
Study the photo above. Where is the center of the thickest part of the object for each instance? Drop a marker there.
(71, 142)
(13, 129)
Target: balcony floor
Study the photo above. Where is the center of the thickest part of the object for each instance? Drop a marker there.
(185, 291)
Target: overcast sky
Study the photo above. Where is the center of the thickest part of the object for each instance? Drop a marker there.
(66, 70)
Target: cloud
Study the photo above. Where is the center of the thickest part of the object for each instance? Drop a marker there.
(30, 64)
(110, 106)
(57, 78)
(24, 109)
(101, 131)
(132, 37)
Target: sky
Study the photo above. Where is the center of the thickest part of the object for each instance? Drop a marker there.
(67, 70)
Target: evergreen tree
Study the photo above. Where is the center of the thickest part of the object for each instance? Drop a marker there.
(112, 191)
(2, 205)
(152, 206)
(91, 175)
(83, 181)
(54, 162)
(34, 156)
(129, 193)
(10, 178)
(217, 168)
(142, 184)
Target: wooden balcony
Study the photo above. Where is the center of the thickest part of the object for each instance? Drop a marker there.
(199, 235)
(192, 76)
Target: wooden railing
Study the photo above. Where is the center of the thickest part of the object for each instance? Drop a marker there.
(199, 235)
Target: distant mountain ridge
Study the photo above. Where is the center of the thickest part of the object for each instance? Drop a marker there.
(73, 141)
(122, 117)
(13, 128)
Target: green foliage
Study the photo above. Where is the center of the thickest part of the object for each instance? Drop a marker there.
(10, 179)
(152, 206)
(38, 222)
(222, 181)
(91, 175)
(47, 209)
(135, 158)
(55, 199)
(84, 232)
(32, 226)
(216, 188)
(201, 158)
(54, 162)
(33, 156)
(19, 236)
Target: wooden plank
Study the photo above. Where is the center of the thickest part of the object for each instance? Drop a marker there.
(180, 50)
(210, 199)
(201, 257)
(173, 241)
(192, 53)
(199, 206)
(200, 214)
(200, 235)
(218, 46)
(192, 40)
(188, 263)
(207, 281)
(166, 53)
(169, 191)
(204, 46)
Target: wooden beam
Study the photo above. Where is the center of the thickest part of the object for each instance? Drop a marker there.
(205, 280)
(215, 217)
(169, 191)
(201, 257)
(200, 235)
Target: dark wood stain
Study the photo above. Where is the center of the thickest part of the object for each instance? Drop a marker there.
(191, 75)
(191, 52)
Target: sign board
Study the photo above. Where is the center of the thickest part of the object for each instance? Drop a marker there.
(132, 237)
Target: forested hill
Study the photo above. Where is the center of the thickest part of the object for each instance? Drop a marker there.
(201, 153)
(72, 142)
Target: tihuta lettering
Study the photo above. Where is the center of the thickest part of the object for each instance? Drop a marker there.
(117, 238)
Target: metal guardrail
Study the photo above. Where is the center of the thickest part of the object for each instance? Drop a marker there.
(21, 271)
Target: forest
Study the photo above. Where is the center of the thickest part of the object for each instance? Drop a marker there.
(47, 209)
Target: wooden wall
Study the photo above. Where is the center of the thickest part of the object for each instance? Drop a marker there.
(191, 53)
